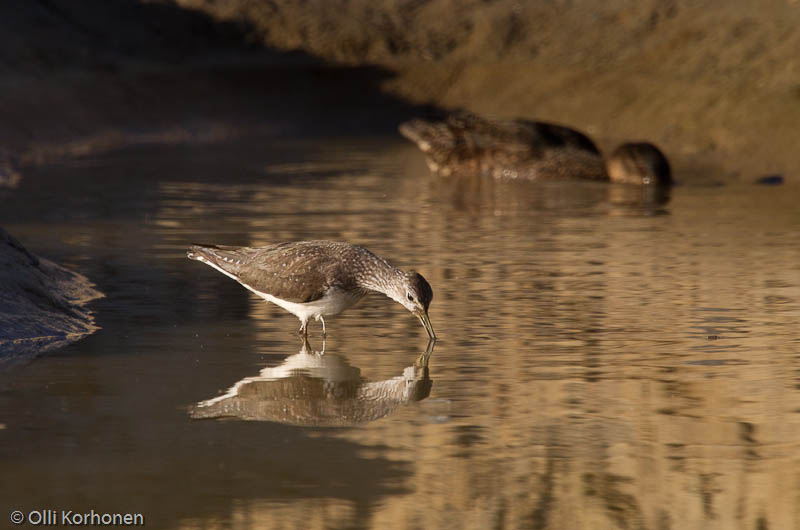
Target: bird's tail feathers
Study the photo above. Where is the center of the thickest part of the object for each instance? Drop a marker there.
(215, 254)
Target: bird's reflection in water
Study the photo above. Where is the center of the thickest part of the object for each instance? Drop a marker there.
(627, 200)
(474, 194)
(318, 389)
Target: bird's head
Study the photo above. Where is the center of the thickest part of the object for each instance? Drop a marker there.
(417, 298)
(639, 163)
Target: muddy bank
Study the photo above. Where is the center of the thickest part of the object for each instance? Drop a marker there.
(81, 78)
(42, 305)
(94, 112)
(714, 83)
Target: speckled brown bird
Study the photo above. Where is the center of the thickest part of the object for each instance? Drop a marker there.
(315, 279)
(466, 144)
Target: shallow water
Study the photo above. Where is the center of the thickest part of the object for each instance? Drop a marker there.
(606, 360)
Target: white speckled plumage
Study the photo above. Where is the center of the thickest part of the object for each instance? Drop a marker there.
(314, 279)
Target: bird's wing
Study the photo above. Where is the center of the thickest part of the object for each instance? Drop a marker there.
(481, 134)
(521, 135)
(551, 135)
(294, 272)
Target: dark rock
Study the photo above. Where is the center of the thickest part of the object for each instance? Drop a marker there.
(42, 305)
(770, 180)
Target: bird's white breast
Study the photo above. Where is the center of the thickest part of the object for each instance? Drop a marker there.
(334, 302)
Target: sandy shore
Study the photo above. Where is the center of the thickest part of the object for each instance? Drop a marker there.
(716, 86)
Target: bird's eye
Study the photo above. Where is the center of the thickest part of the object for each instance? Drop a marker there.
(410, 297)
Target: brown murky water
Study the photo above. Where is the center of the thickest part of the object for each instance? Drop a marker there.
(607, 360)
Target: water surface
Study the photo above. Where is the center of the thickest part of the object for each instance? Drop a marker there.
(607, 359)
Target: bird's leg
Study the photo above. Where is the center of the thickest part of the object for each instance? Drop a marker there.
(303, 329)
(322, 351)
(323, 326)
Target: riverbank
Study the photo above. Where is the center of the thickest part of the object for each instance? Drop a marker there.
(717, 86)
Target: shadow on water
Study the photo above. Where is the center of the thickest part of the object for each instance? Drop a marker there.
(132, 72)
(210, 471)
(318, 389)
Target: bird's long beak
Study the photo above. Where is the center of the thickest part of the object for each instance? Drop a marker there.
(426, 323)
